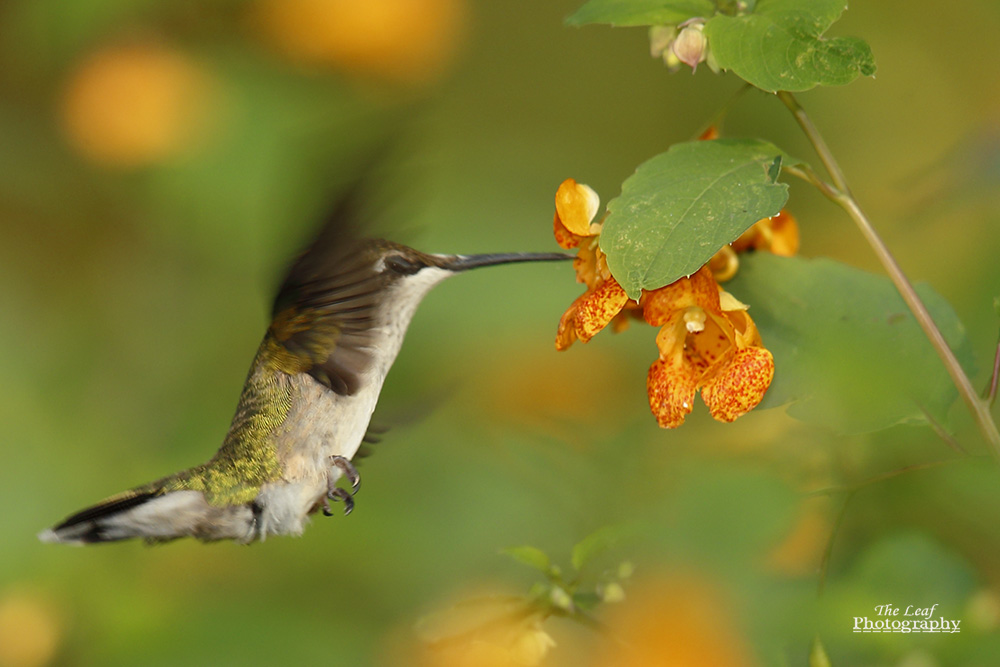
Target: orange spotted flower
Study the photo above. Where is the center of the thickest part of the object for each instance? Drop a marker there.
(778, 235)
(605, 300)
(707, 341)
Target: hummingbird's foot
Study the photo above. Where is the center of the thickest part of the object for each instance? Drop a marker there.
(334, 492)
(350, 472)
(340, 494)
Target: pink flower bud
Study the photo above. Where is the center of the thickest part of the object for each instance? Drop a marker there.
(691, 46)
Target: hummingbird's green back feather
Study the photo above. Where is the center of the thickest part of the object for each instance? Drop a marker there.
(248, 457)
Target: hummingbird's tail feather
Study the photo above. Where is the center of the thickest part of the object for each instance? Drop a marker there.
(94, 523)
(154, 516)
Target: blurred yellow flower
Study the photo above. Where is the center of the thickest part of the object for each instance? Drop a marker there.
(29, 630)
(674, 622)
(136, 105)
(983, 610)
(491, 630)
(403, 41)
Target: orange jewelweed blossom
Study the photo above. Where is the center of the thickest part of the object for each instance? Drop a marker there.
(778, 235)
(604, 301)
(707, 341)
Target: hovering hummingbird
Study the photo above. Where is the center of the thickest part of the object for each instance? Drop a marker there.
(338, 322)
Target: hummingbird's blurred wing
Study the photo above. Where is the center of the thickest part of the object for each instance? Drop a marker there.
(323, 315)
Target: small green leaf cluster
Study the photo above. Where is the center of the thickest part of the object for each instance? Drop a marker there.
(771, 44)
(576, 594)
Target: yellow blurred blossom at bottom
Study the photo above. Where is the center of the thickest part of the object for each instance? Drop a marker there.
(29, 629)
(674, 621)
(136, 105)
(485, 630)
(707, 340)
(527, 648)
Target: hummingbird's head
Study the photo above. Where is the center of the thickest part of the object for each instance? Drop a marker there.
(345, 305)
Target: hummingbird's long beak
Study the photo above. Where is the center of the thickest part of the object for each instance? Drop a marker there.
(465, 262)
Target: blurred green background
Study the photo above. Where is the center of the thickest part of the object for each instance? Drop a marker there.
(160, 161)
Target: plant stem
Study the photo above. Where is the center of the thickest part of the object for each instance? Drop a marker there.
(824, 565)
(991, 392)
(840, 194)
(720, 115)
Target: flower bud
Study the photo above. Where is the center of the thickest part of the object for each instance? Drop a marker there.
(660, 38)
(691, 45)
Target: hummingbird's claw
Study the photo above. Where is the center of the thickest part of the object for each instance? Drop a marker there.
(349, 471)
(342, 494)
(334, 492)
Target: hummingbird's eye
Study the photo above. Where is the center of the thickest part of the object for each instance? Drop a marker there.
(404, 266)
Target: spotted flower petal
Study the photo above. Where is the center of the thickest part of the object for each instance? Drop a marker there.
(671, 391)
(598, 309)
(741, 385)
(566, 333)
(698, 290)
(565, 238)
(707, 341)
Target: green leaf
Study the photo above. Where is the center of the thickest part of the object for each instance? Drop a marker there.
(681, 206)
(640, 12)
(530, 556)
(598, 542)
(780, 46)
(847, 352)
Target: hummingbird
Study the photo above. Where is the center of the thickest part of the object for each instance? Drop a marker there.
(337, 324)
